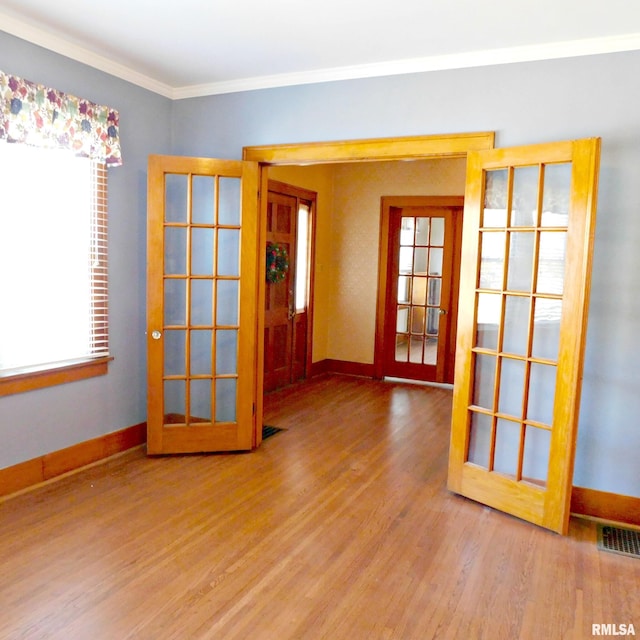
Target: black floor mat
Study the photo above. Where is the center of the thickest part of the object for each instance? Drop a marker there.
(268, 431)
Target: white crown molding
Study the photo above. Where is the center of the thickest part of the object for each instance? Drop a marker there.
(59, 45)
(568, 49)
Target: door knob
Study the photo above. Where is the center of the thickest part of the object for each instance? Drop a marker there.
(443, 312)
(156, 335)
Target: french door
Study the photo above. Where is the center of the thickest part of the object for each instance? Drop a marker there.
(524, 290)
(202, 282)
(421, 292)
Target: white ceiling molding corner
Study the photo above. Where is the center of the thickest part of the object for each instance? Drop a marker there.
(68, 49)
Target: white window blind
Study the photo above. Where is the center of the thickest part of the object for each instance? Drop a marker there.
(53, 258)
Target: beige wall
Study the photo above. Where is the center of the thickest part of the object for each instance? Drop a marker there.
(347, 237)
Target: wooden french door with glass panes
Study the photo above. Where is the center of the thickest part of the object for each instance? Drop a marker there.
(418, 318)
(529, 221)
(202, 300)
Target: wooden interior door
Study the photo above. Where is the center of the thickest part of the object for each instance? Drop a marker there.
(202, 299)
(527, 242)
(418, 283)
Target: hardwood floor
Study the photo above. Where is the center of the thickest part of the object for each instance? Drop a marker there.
(339, 527)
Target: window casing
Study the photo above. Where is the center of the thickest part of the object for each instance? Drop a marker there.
(53, 268)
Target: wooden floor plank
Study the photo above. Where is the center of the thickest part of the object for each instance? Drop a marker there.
(339, 527)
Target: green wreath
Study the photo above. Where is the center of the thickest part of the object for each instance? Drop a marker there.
(277, 262)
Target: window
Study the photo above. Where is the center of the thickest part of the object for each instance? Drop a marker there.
(53, 268)
(302, 256)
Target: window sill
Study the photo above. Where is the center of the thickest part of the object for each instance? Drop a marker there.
(31, 378)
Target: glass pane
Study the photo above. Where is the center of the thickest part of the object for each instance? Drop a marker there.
(516, 325)
(175, 352)
(495, 199)
(524, 205)
(488, 321)
(226, 400)
(542, 392)
(556, 195)
(417, 320)
(227, 309)
(511, 387)
(175, 404)
(420, 261)
(302, 251)
(203, 204)
(405, 261)
(201, 342)
(535, 465)
(546, 328)
(200, 401)
(433, 321)
(507, 452)
(229, 252)
(175, 206)
(407, 228)
(402, 322)
(521, 250)
(430, 350)
(175, 302)
(419, 295)
(484, 376)
(202, 251)
(229, 213)
(551, 262)
(226, 352)
(202, 302)
(492, 259)
(480, 439)
(435, 262)
(402, 348)
(435, 286)
(403, 289)
(437, 232)
(415, 351)
(175, 251)
(422, 231)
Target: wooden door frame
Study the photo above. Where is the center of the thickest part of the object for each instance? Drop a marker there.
(386, 204)
(456, 145)
(308, 196)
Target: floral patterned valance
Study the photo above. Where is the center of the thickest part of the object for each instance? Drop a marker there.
(43, 117)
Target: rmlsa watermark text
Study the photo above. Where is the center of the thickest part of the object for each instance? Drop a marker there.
(613, 630)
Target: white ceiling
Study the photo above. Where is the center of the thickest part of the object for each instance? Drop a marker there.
(188, 48)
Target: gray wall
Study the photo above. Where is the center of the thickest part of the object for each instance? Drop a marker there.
(523, 103)
(38, 422)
